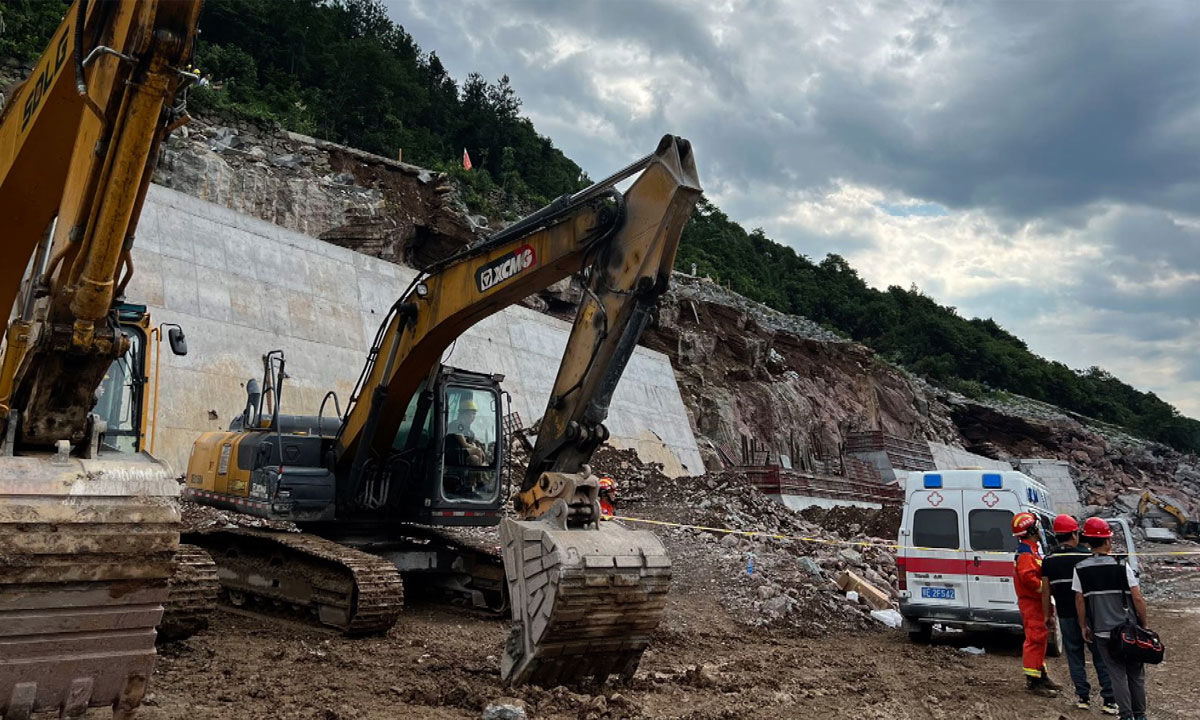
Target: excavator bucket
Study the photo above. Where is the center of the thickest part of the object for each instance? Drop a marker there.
(584, 602)
(86, 551)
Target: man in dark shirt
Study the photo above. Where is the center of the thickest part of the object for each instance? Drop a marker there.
(1058, 568)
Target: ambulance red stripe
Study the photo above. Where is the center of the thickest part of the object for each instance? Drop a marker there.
(959, 566)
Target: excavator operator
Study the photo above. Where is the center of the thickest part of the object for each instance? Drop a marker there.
(464, 451)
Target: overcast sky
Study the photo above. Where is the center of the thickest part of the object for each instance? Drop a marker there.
(1037, 163)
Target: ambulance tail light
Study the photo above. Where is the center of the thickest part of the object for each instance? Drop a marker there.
(901, 572)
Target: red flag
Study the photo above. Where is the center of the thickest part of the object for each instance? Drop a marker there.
(466, 160)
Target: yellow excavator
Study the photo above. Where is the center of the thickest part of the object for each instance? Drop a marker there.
(1188, 529)
(420, 449)
(89, 524)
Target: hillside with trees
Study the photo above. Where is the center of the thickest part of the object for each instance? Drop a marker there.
(974, 356)
(341, 70)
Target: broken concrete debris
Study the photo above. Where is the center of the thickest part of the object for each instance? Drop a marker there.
(850, 581)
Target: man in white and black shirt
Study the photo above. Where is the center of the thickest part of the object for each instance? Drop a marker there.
(1105, 591)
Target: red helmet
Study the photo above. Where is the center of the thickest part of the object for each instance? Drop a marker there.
(1022, 523)
(607, 484)
(1095, 527)
(1064, 524)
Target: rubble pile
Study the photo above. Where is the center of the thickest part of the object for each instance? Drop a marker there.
(762, 578)
(635, 479)
(1107, 462)
(854, 522)
(197, 518)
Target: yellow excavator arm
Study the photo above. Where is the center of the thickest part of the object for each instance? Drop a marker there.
(78, 144)
(88, 542)
(1149, 498)
(624, 243)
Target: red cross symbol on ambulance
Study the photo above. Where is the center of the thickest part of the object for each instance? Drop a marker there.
(935, 498)
(991, 499)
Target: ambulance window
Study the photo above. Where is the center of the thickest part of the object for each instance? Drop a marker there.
(991, 530)
(935, 528)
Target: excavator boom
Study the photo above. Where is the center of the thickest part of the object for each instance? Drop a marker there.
(87, 542)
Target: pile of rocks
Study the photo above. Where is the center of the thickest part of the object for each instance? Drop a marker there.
(203, 517)
(781, 570)
(691, 288)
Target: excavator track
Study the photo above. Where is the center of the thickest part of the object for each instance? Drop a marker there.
(476, 573)
(353, 591)
(191, 594)
(584, 602)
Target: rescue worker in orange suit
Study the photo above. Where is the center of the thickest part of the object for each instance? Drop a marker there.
(608, 494)
(1028, 581)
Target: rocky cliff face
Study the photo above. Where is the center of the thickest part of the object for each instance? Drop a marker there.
(377, 206)
(749, 372)
(1108, 462)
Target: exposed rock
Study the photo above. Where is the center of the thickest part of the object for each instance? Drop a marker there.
(505, 709)
(850, 557)
(374, 205)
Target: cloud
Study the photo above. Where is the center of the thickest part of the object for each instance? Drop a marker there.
(1035, 163)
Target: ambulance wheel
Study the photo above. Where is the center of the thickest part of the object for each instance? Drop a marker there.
(923, 635)
(1054, 646)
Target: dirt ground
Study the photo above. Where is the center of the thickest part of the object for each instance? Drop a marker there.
(438, 662)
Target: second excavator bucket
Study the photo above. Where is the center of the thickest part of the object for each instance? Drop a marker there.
(86, 551)
(584, 602)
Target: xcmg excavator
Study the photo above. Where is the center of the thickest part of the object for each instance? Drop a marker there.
(88, 533)
(420, 447)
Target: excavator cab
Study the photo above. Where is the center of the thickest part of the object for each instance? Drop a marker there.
(447, 460)
(121, 398)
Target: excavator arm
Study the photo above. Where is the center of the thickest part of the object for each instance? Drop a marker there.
(1188, 528)
(88, 543)
(623, 242)
(78, 144)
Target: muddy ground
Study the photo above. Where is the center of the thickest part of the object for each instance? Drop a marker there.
(438, 662)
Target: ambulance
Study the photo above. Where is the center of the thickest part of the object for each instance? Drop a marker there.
(955, 562)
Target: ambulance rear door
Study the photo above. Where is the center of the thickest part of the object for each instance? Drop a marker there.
(991, 546)
(934, 560)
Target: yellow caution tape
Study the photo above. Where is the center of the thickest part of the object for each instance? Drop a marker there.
(859, 543)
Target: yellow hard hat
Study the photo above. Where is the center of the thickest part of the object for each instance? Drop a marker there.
(468, 404)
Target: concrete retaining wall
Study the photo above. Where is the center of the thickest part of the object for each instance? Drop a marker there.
(240, 287)
(803, 502)
(1064, 495)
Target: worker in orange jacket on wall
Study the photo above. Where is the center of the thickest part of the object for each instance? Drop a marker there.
(1028, 581)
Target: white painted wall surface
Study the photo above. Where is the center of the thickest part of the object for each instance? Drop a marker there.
(948, 457)
(240, 286)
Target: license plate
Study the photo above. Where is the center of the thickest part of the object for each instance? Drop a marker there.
(936, 593)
